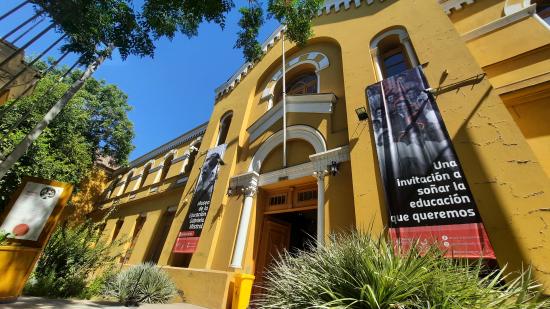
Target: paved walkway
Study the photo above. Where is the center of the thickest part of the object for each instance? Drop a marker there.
(43, 303)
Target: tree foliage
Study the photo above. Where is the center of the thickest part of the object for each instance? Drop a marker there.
(94, 24)
(94, 124)
(250, 23)
(295, 15)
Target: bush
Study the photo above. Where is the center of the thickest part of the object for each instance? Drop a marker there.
(3, 236)
(143, 283)
(71, 261)
(357, 271)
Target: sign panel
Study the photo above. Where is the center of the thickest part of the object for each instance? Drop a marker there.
(31, 210)
(428, 197)
(193, 224)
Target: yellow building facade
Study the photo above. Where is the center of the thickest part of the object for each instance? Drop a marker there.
(488, 64)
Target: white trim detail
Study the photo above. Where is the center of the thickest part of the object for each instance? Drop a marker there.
(319, 163)
(317, 59)
(311, 103)
(306, 133)
(517, 15)
(292, 172)
(322, 160)
(449, 5)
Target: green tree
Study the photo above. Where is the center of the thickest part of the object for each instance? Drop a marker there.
(94, 28)
(94, 123)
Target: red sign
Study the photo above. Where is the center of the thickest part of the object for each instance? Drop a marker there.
(456, 240)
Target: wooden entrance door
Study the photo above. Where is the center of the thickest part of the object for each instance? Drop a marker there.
(275, 238)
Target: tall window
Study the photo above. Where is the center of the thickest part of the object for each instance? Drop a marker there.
(4, 96)
(160, 236)
(167, 164)
(300, 84)
(118, 226)
(392, 53)
(111, 190)
(543, 10)
(225, 123)
(128, 180)
(140, 221)
(394, 62)
(145, 174)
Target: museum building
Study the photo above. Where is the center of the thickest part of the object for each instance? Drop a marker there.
(383, 90)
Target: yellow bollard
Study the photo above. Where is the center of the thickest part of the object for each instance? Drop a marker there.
(242, 291)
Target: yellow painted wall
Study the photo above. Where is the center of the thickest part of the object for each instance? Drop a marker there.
(477, 14)
(532, 116)
(493, 144)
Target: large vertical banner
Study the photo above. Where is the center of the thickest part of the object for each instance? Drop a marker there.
(193, 224)
(427, 194)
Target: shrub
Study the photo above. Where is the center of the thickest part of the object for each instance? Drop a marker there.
(143, 283)
(358, 271)
(3, 236)
(72, 259)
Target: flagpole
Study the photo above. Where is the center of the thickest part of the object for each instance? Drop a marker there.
(284, 98)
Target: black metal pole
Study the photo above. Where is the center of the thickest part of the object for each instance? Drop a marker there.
(29, 43)
(14, 9)
(23, 24)
(27, 114)
(27, 66)
(9, 107)
(28, 30)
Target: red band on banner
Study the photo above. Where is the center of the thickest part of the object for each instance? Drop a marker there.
(456, 240)
(186, 244)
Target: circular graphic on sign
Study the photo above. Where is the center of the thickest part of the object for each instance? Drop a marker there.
(21, 229)
(47, 192)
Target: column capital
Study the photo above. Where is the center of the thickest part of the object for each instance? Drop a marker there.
(247, 183)
(320, 175)
(250, 190)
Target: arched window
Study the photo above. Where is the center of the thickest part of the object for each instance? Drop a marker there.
(303, 84)
(128, 180)
(300, 82)
(225, 122)
(166, 166)
(392, 53)
(144, 174)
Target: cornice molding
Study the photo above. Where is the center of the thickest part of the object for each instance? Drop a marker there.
(500, 23)
(450, 5)
(333, 6)
(196, 132)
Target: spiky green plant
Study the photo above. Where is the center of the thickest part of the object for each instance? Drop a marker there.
(359, 271)
(142, 283)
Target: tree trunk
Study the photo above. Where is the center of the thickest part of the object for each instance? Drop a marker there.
(24, 145)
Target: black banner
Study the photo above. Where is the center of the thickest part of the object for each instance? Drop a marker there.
(423, 180)
(193, 224)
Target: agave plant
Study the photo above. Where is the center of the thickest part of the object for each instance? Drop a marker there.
(359, 271)
(142, 283)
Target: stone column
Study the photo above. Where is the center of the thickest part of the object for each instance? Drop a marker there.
(249, 191)
(320, 175)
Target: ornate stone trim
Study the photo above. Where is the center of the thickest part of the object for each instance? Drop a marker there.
(312, 103)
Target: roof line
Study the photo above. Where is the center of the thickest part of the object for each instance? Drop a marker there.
(185, 137)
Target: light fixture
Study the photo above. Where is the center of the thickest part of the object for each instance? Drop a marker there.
(362, 113)
(333, 168)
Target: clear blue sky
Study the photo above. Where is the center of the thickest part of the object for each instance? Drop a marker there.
(174, 91)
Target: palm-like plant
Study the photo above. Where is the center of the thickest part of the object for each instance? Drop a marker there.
(359, 271)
